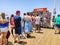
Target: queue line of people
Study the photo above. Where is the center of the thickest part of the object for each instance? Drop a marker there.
(20, 26)
(24, 25)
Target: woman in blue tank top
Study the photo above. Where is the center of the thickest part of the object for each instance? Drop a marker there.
(3, 27)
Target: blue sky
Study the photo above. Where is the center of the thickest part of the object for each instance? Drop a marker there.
(10, 6)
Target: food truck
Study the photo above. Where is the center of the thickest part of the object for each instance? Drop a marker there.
(43, 13)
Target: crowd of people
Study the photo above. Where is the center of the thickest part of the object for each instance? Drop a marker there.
(21, 26)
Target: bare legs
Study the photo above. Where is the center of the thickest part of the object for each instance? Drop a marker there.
(4, 34)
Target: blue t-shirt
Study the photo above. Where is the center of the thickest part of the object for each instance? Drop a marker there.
(17, 21)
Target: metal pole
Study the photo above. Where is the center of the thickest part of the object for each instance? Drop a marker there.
(54, 13)
(54, 7)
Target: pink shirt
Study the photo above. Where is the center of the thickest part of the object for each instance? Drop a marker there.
(12, 21)
(33, 19)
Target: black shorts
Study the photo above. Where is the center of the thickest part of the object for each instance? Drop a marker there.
(38, 25)
(18, 30)
(57, 25)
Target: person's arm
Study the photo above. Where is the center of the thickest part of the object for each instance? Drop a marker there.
(23, 19)
(30, 18)
(20, 19)
(0, 21)
(54, 20)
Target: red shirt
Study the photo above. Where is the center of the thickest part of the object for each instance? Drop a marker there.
(12, 21)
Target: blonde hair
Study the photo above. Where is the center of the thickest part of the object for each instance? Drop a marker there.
(3, 15)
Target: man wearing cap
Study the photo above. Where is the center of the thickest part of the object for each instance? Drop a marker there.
(17, 22)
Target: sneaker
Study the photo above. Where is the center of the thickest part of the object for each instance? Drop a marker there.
(15, 41)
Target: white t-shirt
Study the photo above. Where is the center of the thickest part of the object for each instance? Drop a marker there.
(37, 20)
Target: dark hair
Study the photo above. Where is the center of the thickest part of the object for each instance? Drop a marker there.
(27, 13)
(37, 15)
(53, 16)
(58, 15)
(24, 13)
(3, 15)
(12, 15)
